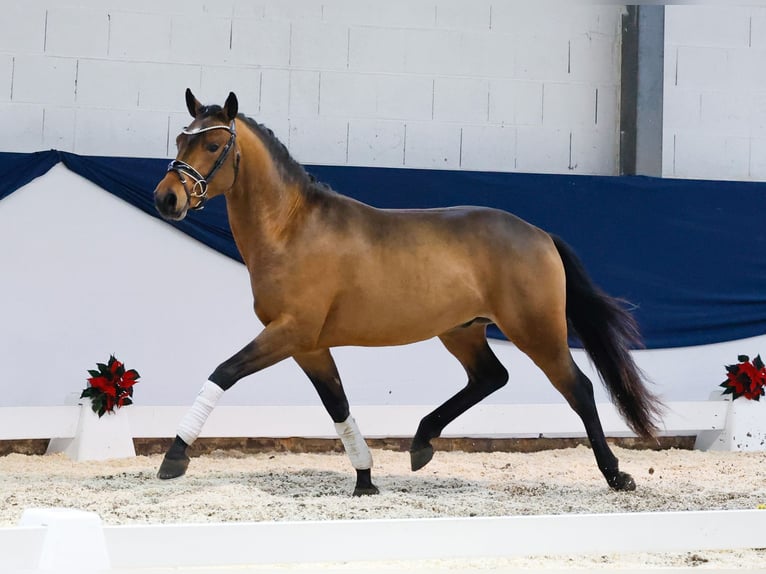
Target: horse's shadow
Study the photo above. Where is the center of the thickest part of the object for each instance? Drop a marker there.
(316, 483)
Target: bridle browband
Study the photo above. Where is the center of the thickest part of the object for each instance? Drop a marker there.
(199, 189)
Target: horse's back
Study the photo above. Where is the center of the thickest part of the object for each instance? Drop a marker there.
(426, 271)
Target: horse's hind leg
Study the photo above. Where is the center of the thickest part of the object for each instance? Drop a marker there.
(320, 368)
(485, 375)
(550, 352)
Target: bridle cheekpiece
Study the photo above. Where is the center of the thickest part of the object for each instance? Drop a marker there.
(199, 188)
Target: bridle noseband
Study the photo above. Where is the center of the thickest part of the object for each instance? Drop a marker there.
(199, 189)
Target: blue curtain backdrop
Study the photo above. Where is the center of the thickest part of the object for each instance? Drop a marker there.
(690, 255)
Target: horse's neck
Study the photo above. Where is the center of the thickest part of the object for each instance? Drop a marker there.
(261, 213)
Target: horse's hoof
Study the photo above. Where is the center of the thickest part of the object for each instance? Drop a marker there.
(364, 486)
(622, 481)
(421, 457)
(366, 490)
(173, 468)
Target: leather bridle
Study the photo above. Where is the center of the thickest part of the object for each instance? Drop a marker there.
(182, 169)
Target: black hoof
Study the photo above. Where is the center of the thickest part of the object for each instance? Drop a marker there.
(622, 481)
(173, 468)
(366, 490)
(421, 457)
(364, 486)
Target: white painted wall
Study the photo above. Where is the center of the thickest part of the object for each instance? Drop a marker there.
(715, 92)
(85, 275)
(481, 85)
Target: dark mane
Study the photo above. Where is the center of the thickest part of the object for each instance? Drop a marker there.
(290, 169)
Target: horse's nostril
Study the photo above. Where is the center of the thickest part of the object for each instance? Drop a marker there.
(170, 201)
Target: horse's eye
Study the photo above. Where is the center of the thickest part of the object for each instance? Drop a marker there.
(212, 147)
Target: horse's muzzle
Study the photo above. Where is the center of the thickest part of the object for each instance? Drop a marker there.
(169, 204)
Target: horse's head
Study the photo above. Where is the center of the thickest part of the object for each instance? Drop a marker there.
(207, 146)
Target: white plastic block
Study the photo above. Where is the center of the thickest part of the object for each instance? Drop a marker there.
(274, 93)
(461, 99)
(23, 127)
(757, 169)
(348, 94)
(107, 84)
(139, 36)
(22, 27)
(404, 97)
(44, 79)
(291, 11)
(701, 68)
(569, 105)
(545, 60)
(488, 54)
(58, 128)
(121, 133)
(392, 14)
(744, 65)
(515, 102)
(432, 51)
(162, 86)
(728, 112)
(758, 28)
(432, 145)
(461, 15)
(514, 16)
(373, 49)
(488, 148)
(319, 46)
(608, 107)
(198, 40)
(681, 108)
(6, 77)
(376, 143)
(595, 58)
(670, 67)
(595, 151)
(542, 149)
(322, 141)
(723, 26)
(77, 32)
(147, 6)
(706, 154)
(66, 531)
(745, 429)
(668, 153)
(97, 438)
(217, 82)
(381, 96)
(259, 42)
(304, 94)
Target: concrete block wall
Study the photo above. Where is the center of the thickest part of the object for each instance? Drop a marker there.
(714, 123)
(480, 85)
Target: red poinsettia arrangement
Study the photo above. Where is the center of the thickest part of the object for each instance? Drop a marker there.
(745, 379)
(110, 386)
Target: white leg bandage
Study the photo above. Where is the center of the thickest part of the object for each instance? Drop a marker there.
(191, 425)
(353, 442)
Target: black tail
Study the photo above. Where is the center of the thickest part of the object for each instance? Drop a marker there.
(608, 331)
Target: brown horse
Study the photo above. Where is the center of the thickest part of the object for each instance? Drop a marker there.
(328, 271)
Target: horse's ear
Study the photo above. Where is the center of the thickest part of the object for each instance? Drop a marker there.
(231, 106)
(192, 104)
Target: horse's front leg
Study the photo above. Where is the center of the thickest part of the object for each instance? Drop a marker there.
(320, 368)
(275, 343)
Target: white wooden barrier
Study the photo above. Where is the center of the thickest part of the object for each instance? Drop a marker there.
(138, 547)
(492, 421)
